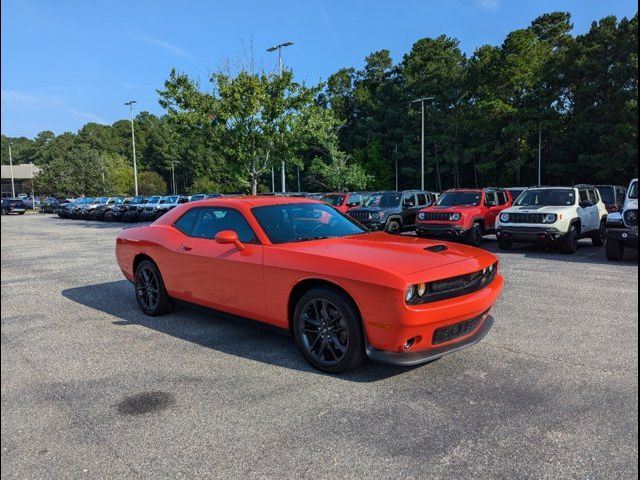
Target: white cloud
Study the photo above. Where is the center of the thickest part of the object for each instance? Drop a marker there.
(34, 101)
(164, 45)
(491, 5)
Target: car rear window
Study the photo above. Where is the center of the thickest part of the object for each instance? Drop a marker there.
(607, 194)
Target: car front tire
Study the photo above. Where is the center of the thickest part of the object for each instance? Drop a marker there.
(570, 243)
(504, 244)
(615, 250)
(474, 236)
(328, 330)
(151, 293)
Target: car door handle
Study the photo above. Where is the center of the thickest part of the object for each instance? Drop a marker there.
(186, 248)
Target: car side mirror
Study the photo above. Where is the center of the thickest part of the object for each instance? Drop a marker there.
(409, 203)
(229, 236)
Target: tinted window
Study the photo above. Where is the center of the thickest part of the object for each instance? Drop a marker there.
(607, 194)
(502, 198)
(207, 222)
(490, 198)
(620, 194)
(633, 190)
(409, 198)
(584, 196)
(297, 222)
(549, 197)
(422, 199)
(355, 199)
(452, 199)
(335, 200)
(593, 196)
(384, 200)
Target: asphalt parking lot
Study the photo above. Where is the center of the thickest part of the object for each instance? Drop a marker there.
(93, 388)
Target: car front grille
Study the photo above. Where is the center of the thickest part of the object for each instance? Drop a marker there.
(457, 330)
(360, 216)
(631, 218)
(435, 216)
(526, 217)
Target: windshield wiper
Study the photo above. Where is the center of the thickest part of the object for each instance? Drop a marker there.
(306, 239)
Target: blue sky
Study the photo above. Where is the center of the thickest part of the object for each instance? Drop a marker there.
(65, 63)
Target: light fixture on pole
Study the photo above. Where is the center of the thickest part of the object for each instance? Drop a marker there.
(422, 100)
(133, 145)
(279, 48)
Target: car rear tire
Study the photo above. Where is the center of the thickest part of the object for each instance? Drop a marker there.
(474, 236)
(570, 243)
(598, 238)
(328, 330)
(615, 250)
(151, 294)
(504, 244)
(393, 226)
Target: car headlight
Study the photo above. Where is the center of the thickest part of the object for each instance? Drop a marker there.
(504, 217)
(549, 218)
(454, 217)
(421, 216)
(410, 295)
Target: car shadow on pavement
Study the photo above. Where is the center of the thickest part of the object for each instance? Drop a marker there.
(216, 330)
(96, 223)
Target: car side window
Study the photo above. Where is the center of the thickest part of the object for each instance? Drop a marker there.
(593, 196)
(490, 198)
(409, 197)
(502, 198)
(207, 222)
(353, 199)
(422, 199)
(584, 196)
(621, 195)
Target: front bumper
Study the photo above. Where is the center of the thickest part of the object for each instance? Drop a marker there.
(538, 234)
(626, 236)
(436, 230)
(415, 358)
(146, 216)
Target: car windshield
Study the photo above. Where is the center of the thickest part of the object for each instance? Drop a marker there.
(298, 222)
(547, 197)
(382, 200)
(454, 199)
(200, 196)
(100, 200)
(607, 194)
(153, 200)
(173, 199)
(633, 190)
(118, 201)
(335, 200)
(139, 200)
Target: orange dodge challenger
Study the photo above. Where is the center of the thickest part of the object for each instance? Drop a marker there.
(344, 293)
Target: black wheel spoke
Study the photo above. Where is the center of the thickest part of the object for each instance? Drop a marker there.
(323, 331)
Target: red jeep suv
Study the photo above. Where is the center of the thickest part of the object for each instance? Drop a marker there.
(463, 214)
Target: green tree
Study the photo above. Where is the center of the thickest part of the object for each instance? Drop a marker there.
(150, 183)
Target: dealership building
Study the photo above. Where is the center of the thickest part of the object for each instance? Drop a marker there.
(21, 174)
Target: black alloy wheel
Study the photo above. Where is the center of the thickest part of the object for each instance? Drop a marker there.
(328, 331)
(150, 292)
(393, 226)
(474, 237)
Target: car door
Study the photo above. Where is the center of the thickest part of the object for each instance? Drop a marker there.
(585, 210)
(409, 209)
(594, 209)
(493, 209)
(218, 275)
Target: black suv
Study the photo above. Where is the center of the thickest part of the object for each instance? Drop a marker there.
(393, 212)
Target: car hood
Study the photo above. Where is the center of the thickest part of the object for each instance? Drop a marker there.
(370, 209)
(393, 253)
(455, 208)
(537, 209)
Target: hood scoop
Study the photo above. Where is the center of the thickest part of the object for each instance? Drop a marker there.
(436, 248)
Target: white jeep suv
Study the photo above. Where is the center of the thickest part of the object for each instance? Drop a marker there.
(554, 216)
(622, 228)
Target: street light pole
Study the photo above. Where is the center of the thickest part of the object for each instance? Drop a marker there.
(133, 145)
(173, 175)
(13, 187)
(279, 49)
(422, 100)
(539, 155)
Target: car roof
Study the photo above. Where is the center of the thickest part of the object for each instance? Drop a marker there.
(257, 201)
